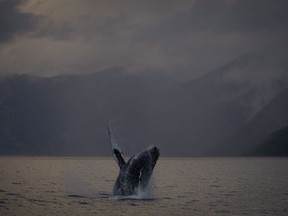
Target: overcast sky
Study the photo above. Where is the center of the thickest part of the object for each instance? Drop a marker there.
(52, 37)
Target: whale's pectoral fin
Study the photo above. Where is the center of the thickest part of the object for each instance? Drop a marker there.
(118, 157)
(117, 153)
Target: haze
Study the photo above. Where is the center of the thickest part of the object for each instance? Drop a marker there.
(189, 76)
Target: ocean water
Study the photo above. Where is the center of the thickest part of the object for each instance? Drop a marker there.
(179, 186)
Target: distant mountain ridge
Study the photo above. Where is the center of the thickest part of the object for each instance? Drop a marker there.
(68, 115)
(276, 144)
(273, 117)
(207, 110)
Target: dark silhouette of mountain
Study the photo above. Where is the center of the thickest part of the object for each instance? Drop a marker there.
(68, 115)
(275, 145)
(273, 117)
(29, 121)
(197, 115)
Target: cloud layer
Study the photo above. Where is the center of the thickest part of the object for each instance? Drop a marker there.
(13, 22)
(59, 37)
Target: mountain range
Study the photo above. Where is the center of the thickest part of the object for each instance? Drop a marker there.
(274, 145)
(228, 111)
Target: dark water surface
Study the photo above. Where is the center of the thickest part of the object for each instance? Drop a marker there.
(180, 186)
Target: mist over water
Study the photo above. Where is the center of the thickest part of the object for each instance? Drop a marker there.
(179, 186)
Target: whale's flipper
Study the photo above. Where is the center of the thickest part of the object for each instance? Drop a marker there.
(117, 153)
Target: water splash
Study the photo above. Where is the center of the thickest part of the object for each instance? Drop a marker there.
(146, 194)
(140, 196)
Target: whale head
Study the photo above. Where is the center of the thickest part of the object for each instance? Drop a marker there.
(155, 153)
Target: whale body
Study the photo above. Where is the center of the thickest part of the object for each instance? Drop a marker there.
(135, 174)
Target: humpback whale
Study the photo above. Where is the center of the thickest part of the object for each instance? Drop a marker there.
(135, 174)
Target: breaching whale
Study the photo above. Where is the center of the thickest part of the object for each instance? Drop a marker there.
(134, 175)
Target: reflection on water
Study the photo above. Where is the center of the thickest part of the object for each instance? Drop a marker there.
(199, 186)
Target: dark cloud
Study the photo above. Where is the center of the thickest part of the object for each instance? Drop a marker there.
(219, 16)
(56, 31)
(69, 36)
(14, 22)
(86, 25)
(255, 15)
